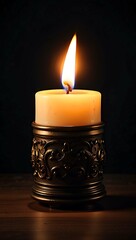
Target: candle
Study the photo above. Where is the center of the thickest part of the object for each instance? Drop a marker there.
(68, 107)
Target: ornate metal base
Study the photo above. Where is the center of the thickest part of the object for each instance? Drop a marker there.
(68, 164)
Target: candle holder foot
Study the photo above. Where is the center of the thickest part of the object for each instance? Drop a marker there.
(68, 164)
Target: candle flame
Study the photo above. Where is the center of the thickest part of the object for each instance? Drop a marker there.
(68, 73)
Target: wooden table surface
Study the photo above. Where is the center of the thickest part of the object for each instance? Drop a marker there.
(21, 217)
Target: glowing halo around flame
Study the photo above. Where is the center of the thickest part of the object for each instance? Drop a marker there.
(68, 73)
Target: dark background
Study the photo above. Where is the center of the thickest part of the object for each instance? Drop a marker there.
(34, 35)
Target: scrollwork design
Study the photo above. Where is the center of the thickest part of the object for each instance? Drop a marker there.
(64, 159)
(37, 157)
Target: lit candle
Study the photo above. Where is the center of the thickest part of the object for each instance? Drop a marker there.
(68, 107)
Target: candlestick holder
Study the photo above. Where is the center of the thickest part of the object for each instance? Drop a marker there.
(68, 164)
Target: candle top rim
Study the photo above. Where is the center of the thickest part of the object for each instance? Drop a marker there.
(63, 92)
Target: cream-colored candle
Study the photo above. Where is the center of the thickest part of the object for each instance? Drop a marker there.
(71, 107)
(56, 108)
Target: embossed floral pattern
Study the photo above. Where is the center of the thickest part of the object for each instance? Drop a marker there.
(67, 159)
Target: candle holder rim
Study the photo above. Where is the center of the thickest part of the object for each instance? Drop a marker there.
(68, 128)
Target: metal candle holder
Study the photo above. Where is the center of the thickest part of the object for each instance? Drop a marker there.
(68, 164)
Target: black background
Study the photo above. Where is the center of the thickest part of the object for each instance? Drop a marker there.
(34, 35)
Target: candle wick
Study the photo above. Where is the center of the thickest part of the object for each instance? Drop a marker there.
(69, 88)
